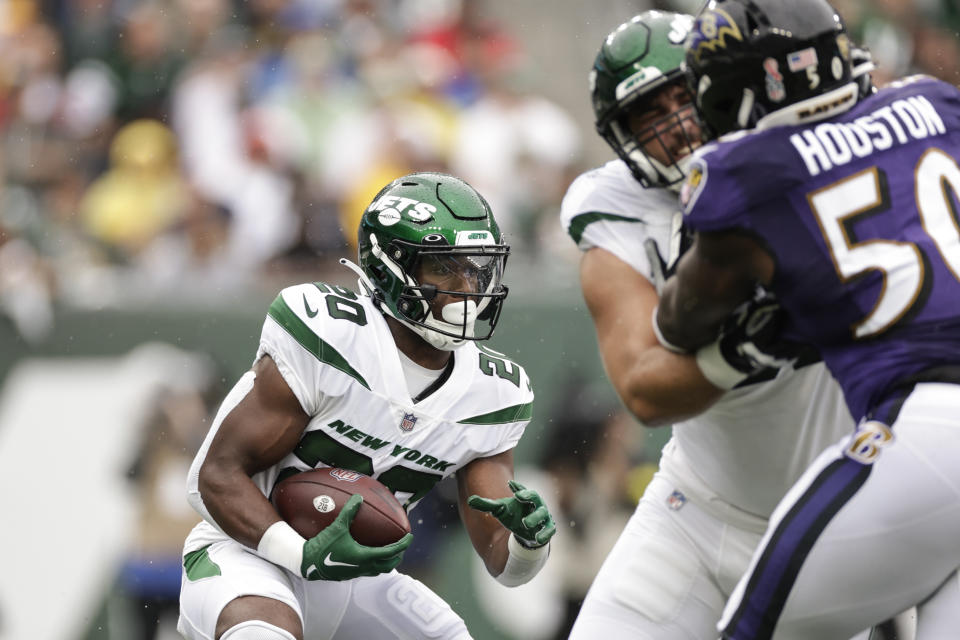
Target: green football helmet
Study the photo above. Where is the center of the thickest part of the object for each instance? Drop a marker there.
(431, 234)
(638, 59)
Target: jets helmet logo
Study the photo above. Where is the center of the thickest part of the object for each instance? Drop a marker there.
(391, 208)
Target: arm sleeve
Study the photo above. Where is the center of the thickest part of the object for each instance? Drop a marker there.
(622, 239)
(512, 431)
(297, 341)
(523, 564)
(606, 209)
(298, 367)
(511, 438)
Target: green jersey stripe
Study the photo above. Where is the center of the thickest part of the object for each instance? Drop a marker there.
(310, 341)
(197, 565)
(515, 413)
(579, 222)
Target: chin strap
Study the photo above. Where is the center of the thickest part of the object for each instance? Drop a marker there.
(366, 286)
(434, 339)
(363, 282)
(382, 256)
(452, 318)
(680, 166)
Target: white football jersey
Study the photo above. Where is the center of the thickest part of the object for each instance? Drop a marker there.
(335, 351)
(754, 442)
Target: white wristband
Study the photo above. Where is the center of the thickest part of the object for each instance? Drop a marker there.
(523, 563)
(716, 369)
(666, 344)
(283, 546)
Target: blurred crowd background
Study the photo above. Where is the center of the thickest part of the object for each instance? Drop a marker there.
(178, 154)
(203, 147)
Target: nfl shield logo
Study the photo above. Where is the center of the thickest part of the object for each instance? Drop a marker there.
(408, 422)
(345, 474)
(774, 80)
(676, 500)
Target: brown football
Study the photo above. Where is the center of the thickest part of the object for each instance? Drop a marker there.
(309, 501)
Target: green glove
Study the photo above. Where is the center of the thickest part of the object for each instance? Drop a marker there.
(333, 554)
(524, 514)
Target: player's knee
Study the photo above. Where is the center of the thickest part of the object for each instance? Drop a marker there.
(256, 630)
(423, 613)
(258, 609)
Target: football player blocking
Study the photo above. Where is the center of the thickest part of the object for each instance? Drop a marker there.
(724, 470)
(846, 205)
(391, 381)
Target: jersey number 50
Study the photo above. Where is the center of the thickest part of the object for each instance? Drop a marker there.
(839, 205)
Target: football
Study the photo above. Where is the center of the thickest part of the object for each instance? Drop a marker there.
(309, 501)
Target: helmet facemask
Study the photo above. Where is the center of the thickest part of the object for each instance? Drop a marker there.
(640, 98)
(670, 137)
(454, 294)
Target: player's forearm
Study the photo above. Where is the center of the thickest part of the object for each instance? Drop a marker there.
(494, 553)
(659, 387)
(487, 535)
(660, 400)
(511, 534)
(687, 320)
(235, 503)
(719, 272)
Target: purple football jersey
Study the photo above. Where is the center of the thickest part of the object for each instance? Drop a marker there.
(861, 215)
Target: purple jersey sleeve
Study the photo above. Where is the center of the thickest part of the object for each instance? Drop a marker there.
(728, 179)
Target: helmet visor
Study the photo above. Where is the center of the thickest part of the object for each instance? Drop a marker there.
(460, 273)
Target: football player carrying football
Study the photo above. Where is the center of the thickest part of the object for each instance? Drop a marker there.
(723, 471)
(390, 381)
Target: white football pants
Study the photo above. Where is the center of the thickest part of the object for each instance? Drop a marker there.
(871, 529)
(391, 606)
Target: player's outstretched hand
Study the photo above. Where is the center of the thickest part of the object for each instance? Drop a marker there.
(333, 554)
(524, 513)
